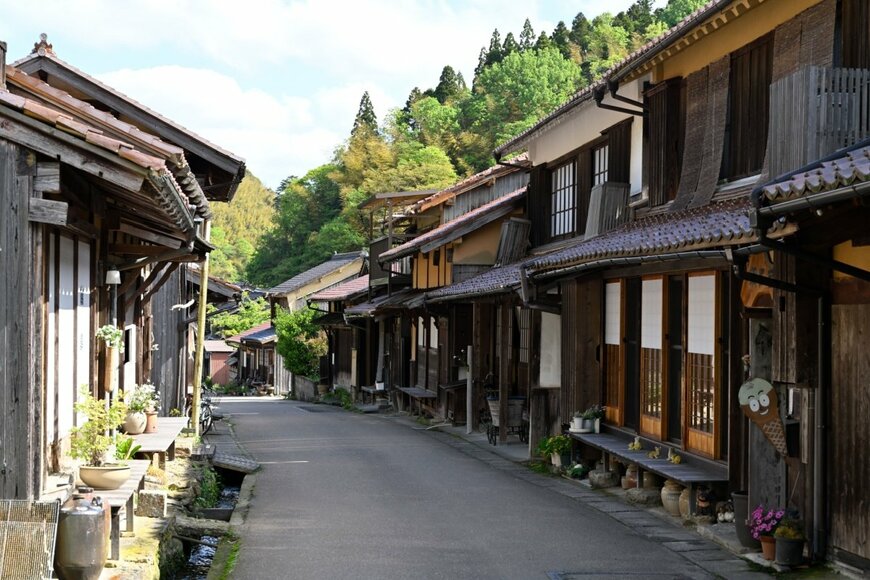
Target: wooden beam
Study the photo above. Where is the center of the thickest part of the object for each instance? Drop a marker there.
(140, 289)
(71, 150)
(149, 236)
(47, 177)
(136, 249)
(45, 211)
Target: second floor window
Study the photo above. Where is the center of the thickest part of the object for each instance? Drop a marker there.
(599, 165)
(563, 199)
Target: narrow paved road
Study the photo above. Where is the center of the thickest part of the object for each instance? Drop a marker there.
(345, 495)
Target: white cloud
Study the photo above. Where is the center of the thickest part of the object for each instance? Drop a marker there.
(278, 135)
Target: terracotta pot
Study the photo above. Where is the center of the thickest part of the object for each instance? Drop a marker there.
(768, 547)
(151, 422)
(104, 477)
(671, 493)
(630, 479)
(135, 423)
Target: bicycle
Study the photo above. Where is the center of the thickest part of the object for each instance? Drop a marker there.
(207, 416)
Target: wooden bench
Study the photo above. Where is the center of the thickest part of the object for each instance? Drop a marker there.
(122, 498)
(373, 392)
(161, 443)
(455, 401)
(420, 395)
(690, 472)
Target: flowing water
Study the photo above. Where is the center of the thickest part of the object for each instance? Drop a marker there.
(200, 559)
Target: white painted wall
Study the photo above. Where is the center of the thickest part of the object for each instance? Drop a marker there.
(50, 354)
(66, 351)
(585, 124)
(551, 350)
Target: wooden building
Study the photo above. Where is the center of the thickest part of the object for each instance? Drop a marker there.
(670, 284)
(84, 193)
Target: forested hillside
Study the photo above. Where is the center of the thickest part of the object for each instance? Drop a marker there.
(445, 132)
(238, 227)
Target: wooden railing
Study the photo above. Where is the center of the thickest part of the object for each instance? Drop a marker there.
(608, 208)
(814, 112)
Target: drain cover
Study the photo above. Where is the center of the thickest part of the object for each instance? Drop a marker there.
(27, 534)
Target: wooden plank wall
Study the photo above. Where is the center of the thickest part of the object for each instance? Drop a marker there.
(849, 473)
(581, 338)
(169, 361)
(21, 319)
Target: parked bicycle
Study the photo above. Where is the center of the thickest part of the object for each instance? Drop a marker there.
(207, 414)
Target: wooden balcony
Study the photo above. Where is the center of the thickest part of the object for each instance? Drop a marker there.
(608, 208)
(814, 112)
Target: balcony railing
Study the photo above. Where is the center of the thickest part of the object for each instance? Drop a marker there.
(814, 112)
(608, 208)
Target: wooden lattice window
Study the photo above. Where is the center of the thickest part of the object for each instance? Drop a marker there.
(701, 380)
(523, 320)
(612, 350)
(563, 199)
(599, 164)
(651, 347)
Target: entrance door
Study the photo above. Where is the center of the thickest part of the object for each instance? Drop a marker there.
(849, 480)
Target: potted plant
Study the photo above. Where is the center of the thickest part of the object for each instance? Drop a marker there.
(140, 400)
(113, 338)
(91, 441)
(790, 540)
(592, 419)
(762, 524)
(577, 422)
(555, 447)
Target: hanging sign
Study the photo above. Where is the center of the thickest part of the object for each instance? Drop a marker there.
(758, 400)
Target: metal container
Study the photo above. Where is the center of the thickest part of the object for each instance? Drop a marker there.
(82, 534)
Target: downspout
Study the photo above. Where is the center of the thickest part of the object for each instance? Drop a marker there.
(599, 95)
(820, 536)
(200, 334)
(614, 88)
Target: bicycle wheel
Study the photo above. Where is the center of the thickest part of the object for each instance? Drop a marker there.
(205, 420)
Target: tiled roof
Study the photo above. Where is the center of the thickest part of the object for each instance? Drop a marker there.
(74, 114)
(171, 200)
(336, 262)
(43, 49)
(469, 183)
(250, 331)
(330, 319)
(451, 230)
(852, 167)
(494, 281)
(711, 226)
(342, 291)
(631, 60)
(405, 299)
(263, 336)
(217, 346)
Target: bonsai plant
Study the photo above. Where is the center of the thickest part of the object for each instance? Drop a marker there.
(790, 540)
(91, 441)
(555, 447)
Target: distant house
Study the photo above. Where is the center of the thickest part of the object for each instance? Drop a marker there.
(292, 294)
(217, 353)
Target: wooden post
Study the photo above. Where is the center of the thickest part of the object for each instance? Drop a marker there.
(469, 398)
(200, 337)
(504, 370)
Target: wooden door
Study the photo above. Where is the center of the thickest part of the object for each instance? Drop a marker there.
(651, 356)
(849, 473)
(703, 412)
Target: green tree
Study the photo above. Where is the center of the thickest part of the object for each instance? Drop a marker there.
(543, 41)
(676, 10)
(494, 54)
(450, 85)
(527, 36)
(249, 314)
(580, 29)
(561, 40)
(608, 44)
(510, 44)
(300, 342)
(522, 89)
(365, 116)
(238, 226)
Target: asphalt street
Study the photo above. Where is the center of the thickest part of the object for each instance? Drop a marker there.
(346, 495)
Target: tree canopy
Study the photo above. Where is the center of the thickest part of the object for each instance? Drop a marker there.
(440, 135)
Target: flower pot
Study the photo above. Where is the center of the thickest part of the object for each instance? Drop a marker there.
(135, 423)
(151, 422)
(789, 552)
(596, 425)
(630, 479)
(768, 547)
(104, 477)
(741, 520)
(671, 497)
(110, 369)
(576, 424)
(556, 459)
(587, 425)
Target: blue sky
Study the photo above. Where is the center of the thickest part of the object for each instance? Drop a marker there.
(277, 82)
